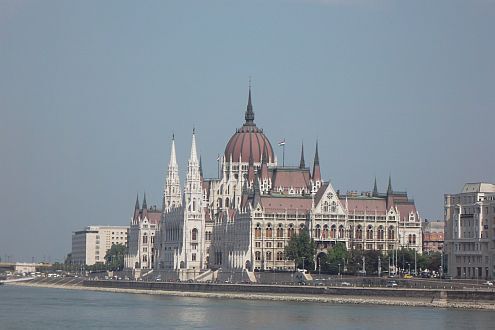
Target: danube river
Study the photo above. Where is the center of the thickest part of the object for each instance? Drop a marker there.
(46, 308)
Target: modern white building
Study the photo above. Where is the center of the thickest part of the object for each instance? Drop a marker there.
(470, 231)
(244, 218)
(90, 245)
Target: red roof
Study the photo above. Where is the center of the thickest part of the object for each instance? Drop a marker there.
(289, 204)
(291, 178)
(246, 139)
(365, 205)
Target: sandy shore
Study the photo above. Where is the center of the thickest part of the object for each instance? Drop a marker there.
(408, 302)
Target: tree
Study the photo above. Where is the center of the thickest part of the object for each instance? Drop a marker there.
(338, 254)
(301, 248)
(115, 257)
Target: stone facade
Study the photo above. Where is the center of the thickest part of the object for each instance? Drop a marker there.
(470, 231)
(245, 218)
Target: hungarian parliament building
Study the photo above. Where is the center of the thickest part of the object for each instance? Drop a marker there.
(243, 219)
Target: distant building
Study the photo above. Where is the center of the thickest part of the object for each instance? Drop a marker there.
(433, 235)
(470, 231)
(144, 225)
(90, 245)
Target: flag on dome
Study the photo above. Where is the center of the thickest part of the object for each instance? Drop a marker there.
(282, 143)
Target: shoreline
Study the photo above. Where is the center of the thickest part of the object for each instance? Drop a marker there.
(350, 300)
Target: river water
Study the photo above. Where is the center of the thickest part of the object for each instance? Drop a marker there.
(46, 308)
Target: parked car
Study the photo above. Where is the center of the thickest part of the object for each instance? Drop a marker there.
(407, 276)
(488, 283)
(392, 284)
(345, 284)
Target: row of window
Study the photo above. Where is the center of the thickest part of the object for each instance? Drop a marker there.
(279, 256)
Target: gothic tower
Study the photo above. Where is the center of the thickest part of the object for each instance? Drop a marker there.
(171, 191)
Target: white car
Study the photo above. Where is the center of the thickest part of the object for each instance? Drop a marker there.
(345, 284)
(488, 283)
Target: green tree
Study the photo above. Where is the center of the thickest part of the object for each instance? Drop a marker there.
(115, 257)
(301, 248)
(338, 254)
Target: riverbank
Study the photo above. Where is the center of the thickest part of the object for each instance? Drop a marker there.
(341, 299)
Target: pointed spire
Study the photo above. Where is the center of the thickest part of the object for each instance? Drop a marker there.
(194, 154)
(301, 162)
(316, 167)
(375, 189)
(389, 189)
(200, 167)
(264, 164)
(173, 156)
(317, 158)
(249, 116)
(136, 207)
(251, 164)
(145, 206)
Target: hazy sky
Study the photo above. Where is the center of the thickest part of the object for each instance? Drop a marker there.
(91, 92)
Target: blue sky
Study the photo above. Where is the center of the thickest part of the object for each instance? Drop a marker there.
(91, 92)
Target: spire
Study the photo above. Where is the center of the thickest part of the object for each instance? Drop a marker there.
(136, 207)
(249, 116)
(375, 189)
(251, 164)
(317, 158)
(264, 164)
(173, 156)
(194, 154)
(316, 167)
(301, 162)
(145, 206)
(200, 167)
(389, 189)
(171, 189)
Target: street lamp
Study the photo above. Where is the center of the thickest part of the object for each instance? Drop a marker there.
(303, 262)
(339, 270)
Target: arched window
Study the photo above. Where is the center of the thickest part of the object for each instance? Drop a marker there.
(290, 231)
(194, 234)
(359, 232)
(351, 232)
(268, 255)
(280, 231)
(257, 231)
(325, 206)
(301, 228)
(280, 256)
(145, 239)
(369, 232)
(269, 230)
(391, 232)
(257, 255)
(227, 202)
(145, 258)
(333, 232)
(219, 202)
(317, 231)
(325, 232)
(341, 231)
(380, 233)
(414, 239)
(334, 207)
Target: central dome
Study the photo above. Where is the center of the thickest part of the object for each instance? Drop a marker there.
(249, 140)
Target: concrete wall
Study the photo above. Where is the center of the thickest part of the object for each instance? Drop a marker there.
(303, 290)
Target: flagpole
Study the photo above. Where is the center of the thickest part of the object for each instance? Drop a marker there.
(218, 166)
(283, 155)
